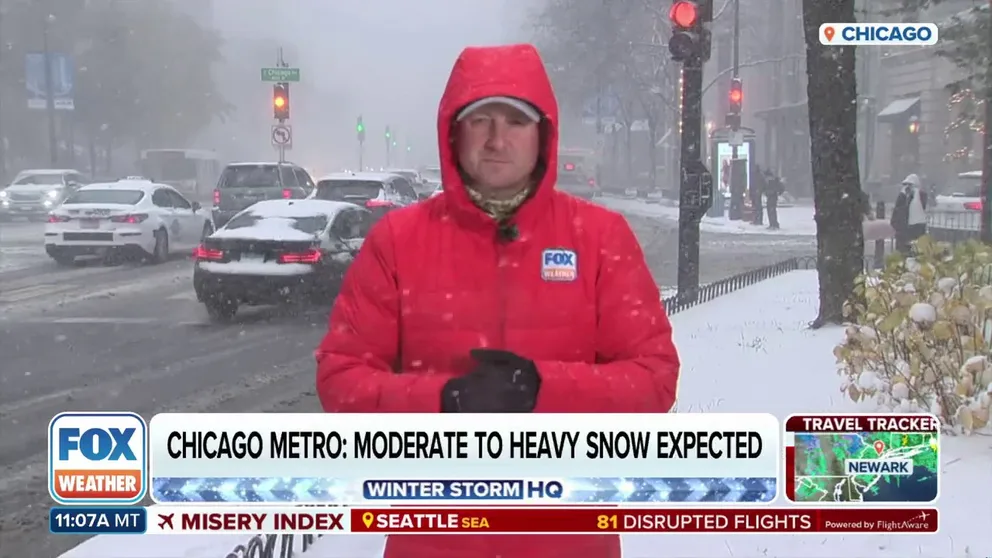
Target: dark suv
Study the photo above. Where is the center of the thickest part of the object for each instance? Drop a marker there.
(379, 192)
(241, 185)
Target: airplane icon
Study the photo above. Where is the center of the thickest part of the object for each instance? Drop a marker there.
(923, 516)
(165, 519)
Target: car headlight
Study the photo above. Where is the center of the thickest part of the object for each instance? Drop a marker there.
(54, 194)
(3, 194)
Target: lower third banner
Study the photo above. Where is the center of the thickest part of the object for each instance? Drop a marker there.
(534, 520)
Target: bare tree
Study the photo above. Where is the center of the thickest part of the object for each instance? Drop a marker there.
(832, 97)
(624, 45)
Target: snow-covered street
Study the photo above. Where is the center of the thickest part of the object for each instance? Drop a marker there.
(748, 351)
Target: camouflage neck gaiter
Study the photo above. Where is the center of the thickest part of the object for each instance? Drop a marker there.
(498, 209)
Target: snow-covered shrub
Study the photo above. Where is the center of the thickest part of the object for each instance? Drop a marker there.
(920, 337)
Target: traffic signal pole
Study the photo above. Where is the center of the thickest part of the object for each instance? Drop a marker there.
(737, 190)
(281, 112)
(690, 154)
(690, 45)
(389, 145)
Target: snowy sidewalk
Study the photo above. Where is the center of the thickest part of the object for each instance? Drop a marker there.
(751, 351)
(748, 351)
(794, 221)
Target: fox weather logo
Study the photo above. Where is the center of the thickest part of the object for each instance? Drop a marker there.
(878, 34)
(559, 265)
(97, 458)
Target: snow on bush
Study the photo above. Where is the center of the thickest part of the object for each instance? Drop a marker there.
(920, 337)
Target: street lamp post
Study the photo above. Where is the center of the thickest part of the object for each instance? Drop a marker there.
(3, 141)
(53, 146)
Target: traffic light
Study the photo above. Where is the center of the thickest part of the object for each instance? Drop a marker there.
(736, 98)
(280, 101)
(360, 128)
(736, 95)
(690, 39)
(388, 133)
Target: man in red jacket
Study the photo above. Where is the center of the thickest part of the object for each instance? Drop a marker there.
(501, 295)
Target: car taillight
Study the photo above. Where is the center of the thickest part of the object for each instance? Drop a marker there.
(132, 219)
(973, 206)
(378, 203)
(59, 218)
(592, 182)
(312, 255)
(287, 193)
(203, 253)
(216, 197)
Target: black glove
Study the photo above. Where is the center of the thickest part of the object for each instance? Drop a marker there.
(502, 382)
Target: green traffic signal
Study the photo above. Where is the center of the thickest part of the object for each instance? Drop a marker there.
(361, 127)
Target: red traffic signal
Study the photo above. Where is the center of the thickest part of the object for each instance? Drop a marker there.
(684, 14)
(280, 101)
(736, 95)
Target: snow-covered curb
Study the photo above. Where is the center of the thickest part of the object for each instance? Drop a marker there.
(794, 221)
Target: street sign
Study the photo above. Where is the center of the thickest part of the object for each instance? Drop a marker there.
(62, 81)
(281, 75)
(282, 135)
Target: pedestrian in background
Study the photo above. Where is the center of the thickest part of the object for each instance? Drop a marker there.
(773, 189)
(756, 190)
(909, 215)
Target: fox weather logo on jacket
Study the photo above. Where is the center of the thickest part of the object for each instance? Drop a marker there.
(97, 458)
(559, 265)
(878, 34)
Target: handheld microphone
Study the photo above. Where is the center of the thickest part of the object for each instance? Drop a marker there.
(507, 232)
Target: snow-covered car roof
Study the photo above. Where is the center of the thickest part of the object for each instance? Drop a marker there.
(276, 219)
(27, 172)
(970, 174)
(350, 176)
(145, 186)
(259, 164)
(298, 208)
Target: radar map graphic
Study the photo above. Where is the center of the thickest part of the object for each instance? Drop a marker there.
(866, 467)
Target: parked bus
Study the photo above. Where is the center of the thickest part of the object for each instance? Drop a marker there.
(194, 172)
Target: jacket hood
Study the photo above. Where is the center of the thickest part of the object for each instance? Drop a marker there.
(510, 71)
(911, 179)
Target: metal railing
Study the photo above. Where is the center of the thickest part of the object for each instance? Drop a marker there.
(706, 293)
(954, 227)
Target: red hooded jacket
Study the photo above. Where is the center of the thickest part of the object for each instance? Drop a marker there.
(434, 281)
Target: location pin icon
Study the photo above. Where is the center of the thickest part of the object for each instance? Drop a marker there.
(367, 518)
(879, 447)
(828, 32)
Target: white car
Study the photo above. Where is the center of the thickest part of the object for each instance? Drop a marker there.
(33, 193)
(278, 251)
(131, 217)
(958, 207)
